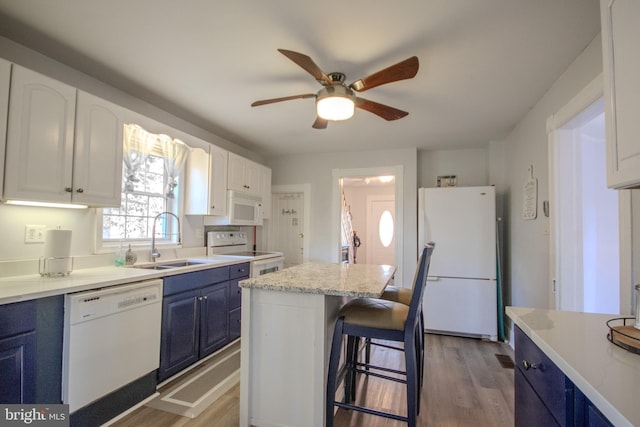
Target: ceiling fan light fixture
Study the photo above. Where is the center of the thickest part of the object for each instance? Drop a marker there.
(335, 103)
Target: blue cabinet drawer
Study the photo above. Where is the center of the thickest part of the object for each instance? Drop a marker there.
(552, 386)
(240, 271)
(235, 294)
(194, 280)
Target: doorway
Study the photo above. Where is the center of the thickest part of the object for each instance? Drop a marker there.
(289, 221)
(373, 198)
(584, 213)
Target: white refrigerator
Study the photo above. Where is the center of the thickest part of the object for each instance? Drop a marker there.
(461, 294)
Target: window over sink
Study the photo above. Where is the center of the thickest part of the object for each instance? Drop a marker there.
(152, 167)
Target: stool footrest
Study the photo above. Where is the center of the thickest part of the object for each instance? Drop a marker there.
(377, 375)
(379, 368)
(372, 411)
(392, 347)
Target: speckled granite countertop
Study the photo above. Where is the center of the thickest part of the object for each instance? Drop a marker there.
(351, 280)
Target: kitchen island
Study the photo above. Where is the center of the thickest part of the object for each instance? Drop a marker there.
(607, 375)
(287, 324)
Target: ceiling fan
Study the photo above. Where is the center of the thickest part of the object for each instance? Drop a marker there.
(337, 101)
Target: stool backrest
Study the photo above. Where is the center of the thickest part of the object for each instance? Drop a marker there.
(419, 282)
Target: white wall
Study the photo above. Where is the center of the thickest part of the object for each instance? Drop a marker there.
(316, 170)
(527, 244)
(471, 166)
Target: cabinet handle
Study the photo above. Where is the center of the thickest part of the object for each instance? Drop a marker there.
(526, 365)
(199, 298)
(80, 190)
(213, 206)
(204, 297)
(68, 189)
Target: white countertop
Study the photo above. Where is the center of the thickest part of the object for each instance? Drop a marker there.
(32, 286)
(352, 280)
(577, 343)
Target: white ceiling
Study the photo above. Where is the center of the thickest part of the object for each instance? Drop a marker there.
(483, 63)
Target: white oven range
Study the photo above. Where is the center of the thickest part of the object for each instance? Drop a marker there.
(235, 244)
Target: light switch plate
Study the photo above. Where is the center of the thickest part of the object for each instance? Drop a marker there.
(34, 233)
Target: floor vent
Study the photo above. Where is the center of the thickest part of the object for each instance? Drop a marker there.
(505, 361)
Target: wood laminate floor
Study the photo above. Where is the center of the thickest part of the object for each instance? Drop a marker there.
(465, 385)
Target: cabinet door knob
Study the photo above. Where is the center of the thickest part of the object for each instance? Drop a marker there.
(526, 365)
(204, 297)
(68, 189)
(80, 190)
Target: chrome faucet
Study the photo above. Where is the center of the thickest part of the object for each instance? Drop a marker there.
(154, 251)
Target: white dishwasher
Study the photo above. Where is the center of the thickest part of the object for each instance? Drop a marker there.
(111, 338)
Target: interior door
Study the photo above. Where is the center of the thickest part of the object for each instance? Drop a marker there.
(381, 229)
(287, 220)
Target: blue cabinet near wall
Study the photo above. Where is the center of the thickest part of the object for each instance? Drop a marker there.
(18, 352)
(544, 395)
(27, 375)
(196, 315)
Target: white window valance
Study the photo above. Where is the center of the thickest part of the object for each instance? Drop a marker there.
(138, 144)
(175, 154)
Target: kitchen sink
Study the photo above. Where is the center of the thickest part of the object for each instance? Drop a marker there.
(168, 265)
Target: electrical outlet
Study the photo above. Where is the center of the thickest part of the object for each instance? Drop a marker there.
(34, 233)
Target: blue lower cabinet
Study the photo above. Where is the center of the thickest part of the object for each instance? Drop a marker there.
(235, 300)
(214, 331)
(586, 414)
(180, 333)
(17, 368)
(196, 315)
(544, 395)
(530, 410)
(18, 352)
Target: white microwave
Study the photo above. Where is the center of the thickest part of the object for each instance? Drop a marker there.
(242, 209)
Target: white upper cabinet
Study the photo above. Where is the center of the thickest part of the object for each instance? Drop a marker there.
(620, 36)
(266, 192)
(5, 78)
(244, 175)
(97, 160)
(39, 152)
(61, 148)
(206, 182)
(218, 184)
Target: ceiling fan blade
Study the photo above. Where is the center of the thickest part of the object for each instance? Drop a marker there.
(406, 69)
(384, 111)
(286, 98)
(320, 123)
(308, 65)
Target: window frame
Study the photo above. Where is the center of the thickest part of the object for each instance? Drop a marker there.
(168, 240)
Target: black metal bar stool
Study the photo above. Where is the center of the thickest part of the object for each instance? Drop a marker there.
(385, 320)
(403, 296)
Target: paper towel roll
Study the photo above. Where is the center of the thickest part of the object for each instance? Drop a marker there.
(57, 244)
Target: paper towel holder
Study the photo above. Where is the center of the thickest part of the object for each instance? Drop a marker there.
(55, 266)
